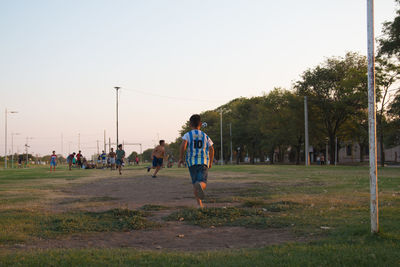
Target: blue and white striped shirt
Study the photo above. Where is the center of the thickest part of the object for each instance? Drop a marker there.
(198, 148)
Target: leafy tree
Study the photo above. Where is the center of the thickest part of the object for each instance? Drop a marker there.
(132, 156)
(390, 42)
(387, 74)
(338, 88)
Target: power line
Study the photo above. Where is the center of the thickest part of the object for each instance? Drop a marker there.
(173, 97)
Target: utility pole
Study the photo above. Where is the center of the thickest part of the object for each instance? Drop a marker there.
(109, 144)
(116, 90)
(306, 141)
(373, 171)
(230, 132)
(98, 147)
(105, 146)
(222, 152)
(5, 135)
(327, 152)
(62, 145)
(336, 152)
(12, 148)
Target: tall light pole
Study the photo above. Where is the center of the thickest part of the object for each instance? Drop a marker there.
(373, 172)
(12, 148)
(306, 142)
(222, 150)
(5, 136)
(230, 132)
(116, 90)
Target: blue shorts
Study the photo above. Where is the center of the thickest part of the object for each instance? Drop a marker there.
(199, 173)
(53, 163)
(157, 162)
(118, 161)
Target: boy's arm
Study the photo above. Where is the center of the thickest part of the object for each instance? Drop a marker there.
(182, 152)
(211, 151)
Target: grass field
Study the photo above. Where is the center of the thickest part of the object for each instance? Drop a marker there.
(323, 211)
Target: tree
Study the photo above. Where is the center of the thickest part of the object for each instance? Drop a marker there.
(132, 156)
(387, 73)
(147, 154)
(338, 88)
(390, 42)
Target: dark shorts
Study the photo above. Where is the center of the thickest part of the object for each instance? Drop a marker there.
(199, 173)
(157, 162)
(119, 161)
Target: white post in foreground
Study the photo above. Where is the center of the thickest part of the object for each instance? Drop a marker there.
(373, 172)
(306, 144)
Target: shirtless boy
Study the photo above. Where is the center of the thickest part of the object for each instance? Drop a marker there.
(158, 157)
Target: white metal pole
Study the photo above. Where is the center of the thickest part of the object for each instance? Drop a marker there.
(79, 142)
(116, 90)
(306, 142)
(5, 140)
(222, 152)
(373, 172)
(336, 152)
(12, 150)
(105, 145)
(230, 132)
(62, 144)
(327, 153)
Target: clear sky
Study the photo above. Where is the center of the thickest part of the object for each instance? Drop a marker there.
(61, 59)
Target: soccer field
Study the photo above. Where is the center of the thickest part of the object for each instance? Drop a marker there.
(254, 216)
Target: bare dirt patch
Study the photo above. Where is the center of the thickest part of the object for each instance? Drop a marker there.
(134, 190)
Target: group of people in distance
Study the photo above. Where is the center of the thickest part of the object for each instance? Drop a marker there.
(196, 145)
(116, 159)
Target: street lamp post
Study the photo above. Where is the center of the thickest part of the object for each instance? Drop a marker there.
(12, 148)
(5, 136)
(222, 149)
(116, 90)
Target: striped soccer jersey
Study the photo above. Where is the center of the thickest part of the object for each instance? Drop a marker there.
(198, 147)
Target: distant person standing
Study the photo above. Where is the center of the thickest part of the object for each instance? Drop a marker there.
(120, 158)
(104, 159)
(79, 159)
(137, 160)
(53, 161)
(112, 156)
(70, 160)
(158, 157)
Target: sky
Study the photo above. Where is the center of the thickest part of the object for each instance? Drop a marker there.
(61, 59)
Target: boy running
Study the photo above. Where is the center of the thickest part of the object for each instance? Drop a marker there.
(199, 157)
(70, 160)
(158, 157)
(112, 156)
(120, 158)
(53, 161)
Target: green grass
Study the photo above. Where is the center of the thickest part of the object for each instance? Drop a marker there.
(231, 216)
(152, 207)
(326, 204)
(22, 225)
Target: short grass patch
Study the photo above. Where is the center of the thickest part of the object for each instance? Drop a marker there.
(22, 225)
(228, 216)
(151, 207)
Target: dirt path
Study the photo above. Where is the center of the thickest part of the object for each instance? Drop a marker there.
(135, 190)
